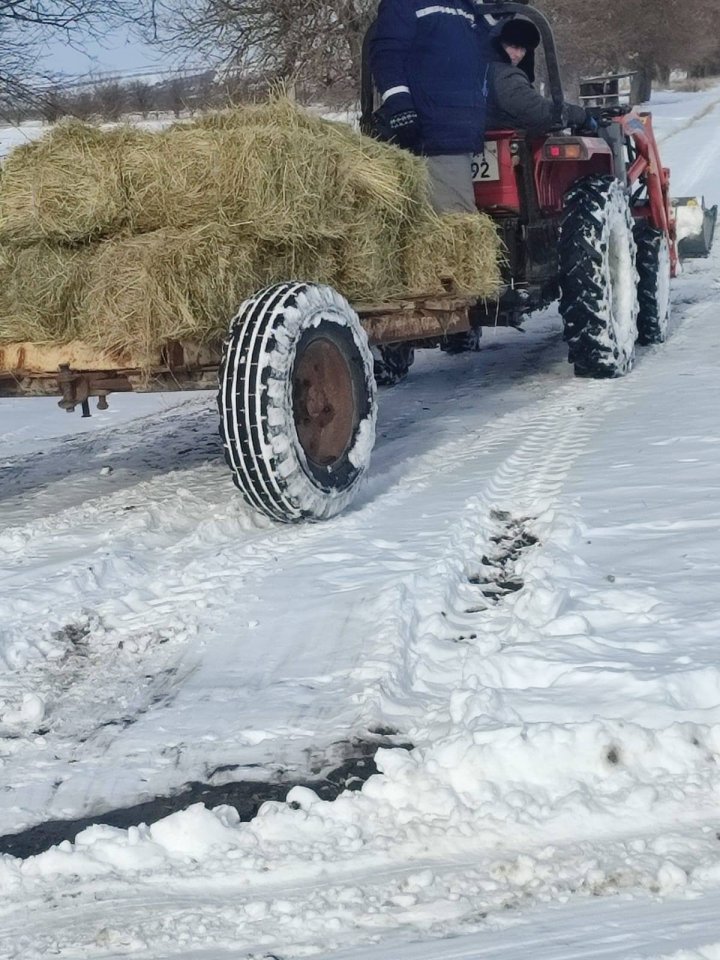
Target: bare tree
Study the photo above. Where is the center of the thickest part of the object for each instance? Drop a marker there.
(650, 36)
(27, 25)
(174, 96)
(312, 42)
(82, 105)
(140, 97)
(111, 98)
(53, 105)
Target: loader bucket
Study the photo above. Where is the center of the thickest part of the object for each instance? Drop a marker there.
(694, 225)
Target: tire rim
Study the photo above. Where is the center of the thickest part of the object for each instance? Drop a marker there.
(323, 402)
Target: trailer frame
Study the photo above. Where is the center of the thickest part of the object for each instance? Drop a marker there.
(76, 372)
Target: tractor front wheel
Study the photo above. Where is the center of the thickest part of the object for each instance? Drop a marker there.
(598, 279)
(297, 402)
(654, 269)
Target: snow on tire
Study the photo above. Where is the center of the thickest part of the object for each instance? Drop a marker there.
(598, 279)
(297, 401)
(654, 271)
(392, 362)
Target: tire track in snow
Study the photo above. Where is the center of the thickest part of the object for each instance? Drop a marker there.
(535, 473)
(227, 544)
(435, 636)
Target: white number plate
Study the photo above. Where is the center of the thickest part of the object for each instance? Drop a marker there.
(485, 165)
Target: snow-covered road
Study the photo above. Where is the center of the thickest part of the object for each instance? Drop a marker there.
(526, 591)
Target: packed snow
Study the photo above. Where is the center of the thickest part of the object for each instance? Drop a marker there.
(525, 591)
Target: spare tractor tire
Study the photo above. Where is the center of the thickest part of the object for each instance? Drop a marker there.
(392, 362)
(297, 402)
(598, 279)
(654, 269)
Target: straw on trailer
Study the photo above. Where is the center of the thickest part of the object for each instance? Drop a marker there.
(273, 172)
(67, 186)
(41, 288)
(461, 249)
(196, 218)
(166, 285)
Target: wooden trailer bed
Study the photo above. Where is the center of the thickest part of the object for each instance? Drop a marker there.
(76, 371)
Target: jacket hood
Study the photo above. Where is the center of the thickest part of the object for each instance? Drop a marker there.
(518, 33)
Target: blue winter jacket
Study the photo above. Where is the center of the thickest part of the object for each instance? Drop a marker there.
(434, 57)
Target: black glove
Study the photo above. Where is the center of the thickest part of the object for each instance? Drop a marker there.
(574, 116)
(597, 117)
(401, 128)
(405, 127)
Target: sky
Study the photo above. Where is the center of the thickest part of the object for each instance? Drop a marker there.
(118, 52)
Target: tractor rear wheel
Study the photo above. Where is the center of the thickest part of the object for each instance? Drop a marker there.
(598, 279)
(654, 269)
(297, 402)
(392, 362)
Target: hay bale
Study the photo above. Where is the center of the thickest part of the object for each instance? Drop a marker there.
(267, 183)
(168, 285)
(203, 215)
(460, 248)
(278, 110)
(363, 167)
(311, 260)
(67, 186)
(183, 284)
(370, 260)
(272, 172)
(41, 288)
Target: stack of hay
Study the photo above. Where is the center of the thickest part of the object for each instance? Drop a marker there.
(127, 238)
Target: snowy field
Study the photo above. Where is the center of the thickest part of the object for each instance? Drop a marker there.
(526, 591)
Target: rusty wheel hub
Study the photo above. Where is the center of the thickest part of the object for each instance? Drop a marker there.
(323, 402)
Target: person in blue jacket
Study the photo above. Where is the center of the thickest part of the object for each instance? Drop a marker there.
(430, 63)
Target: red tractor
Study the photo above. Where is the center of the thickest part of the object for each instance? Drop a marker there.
(586, 219)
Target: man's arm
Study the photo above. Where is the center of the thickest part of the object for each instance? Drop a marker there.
(389, 49)
(517, 97)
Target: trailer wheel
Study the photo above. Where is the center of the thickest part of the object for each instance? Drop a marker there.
(297, 402)
(392, 362)
(654, 269)
(598, 279)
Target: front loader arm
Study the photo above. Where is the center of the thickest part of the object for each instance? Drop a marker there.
(645, 166)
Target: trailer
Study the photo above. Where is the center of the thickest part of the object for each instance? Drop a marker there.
(296, 380)
(76, 372)
(585, 216)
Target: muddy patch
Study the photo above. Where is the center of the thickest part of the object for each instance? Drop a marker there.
(496, 576)
(245, 795)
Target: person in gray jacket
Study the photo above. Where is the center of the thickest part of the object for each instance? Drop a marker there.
(513, 102)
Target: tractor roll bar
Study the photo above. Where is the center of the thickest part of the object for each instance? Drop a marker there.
(367, 87)
(493, 9)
